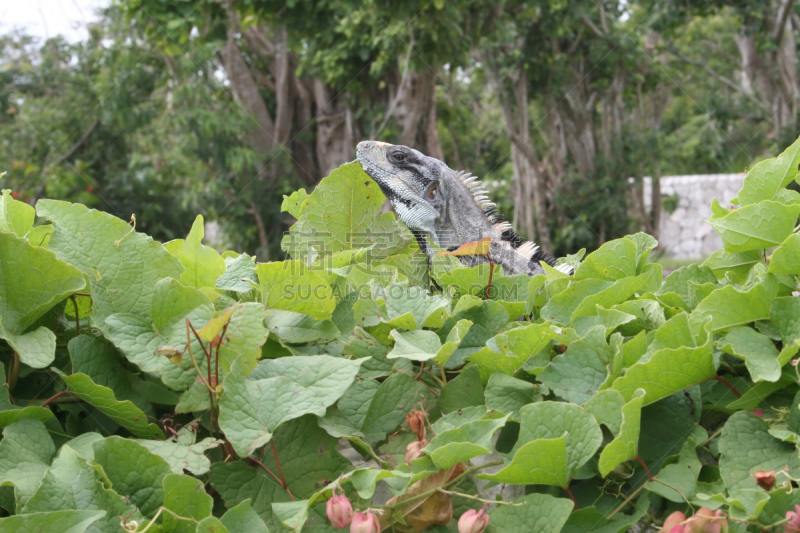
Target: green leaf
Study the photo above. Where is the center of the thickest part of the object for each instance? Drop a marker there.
(785, 314)
(761, 225)
(211, 524)
(625, 447)
(395, 397)
(676, 481)
(541, 513)
(32, 281)
(295, 203)
(71, 483)
(186, 497)
(124, 413)
(757, 350)
(242, 518)
(606, 407)
(203, 265)
(182, 456)
(244, 337)
(347, 205)
(555, 440)
(560, 307)
(61, 521)
(747, 447)
(297, 328)
(240, 275)
(786, 258)
(96, 358)
(464, 442)
(614, 260)
(487, 318)
(36, 348)
(769, 176)
(291, 286)
(123, 276)
(508, 394)
(675, 289)
(307, 456)
(466, 390)
(539, 462)
(15, 217)
(722, 262)
(407, 305)
(577, 374)
(424, 345)
(668, 370)
(620, 291)
(277, 391)
(508, 352)
(25, 454)
(138, 337)
(728, 306)
(133, 471)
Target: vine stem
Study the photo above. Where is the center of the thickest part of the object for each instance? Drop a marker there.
(271, 473)
(12, 379)
(446, 485)
(727, 384)
(280, 469)
(471, 497)
(631, 496)
(77, 317)
(647, 470)
(54, 397)
(571, 497)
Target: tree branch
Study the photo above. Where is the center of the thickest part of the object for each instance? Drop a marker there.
(784, 17)
(733, 85)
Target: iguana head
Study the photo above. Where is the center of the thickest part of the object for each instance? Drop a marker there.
(449, 207)
(427, 195)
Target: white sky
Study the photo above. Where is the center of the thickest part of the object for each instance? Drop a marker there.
(48, 18)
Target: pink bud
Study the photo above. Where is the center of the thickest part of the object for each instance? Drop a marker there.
(365, 523)
(473, 521)
(673, 521)
(793, 525)
(339, 511)
(758, 412)
(707, 521)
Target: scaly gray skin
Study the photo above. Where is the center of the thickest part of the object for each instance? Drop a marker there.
(448, 207)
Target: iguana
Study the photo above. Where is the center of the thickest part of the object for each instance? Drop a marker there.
(449, 207)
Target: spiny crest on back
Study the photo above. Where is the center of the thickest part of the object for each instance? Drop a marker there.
(527, 249)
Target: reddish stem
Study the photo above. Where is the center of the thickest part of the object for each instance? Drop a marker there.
(727, 384)
(54, 396)
(421, 368)
(571, 497)
(647, 470)
(491, 272)
(278, 462)
(271, 473)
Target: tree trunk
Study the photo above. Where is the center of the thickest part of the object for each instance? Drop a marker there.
(415, 112)
(336, 136)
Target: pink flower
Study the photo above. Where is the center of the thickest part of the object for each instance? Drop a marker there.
(339, 511)
(765, 480)
(707, 521)
(365, 523)
(793, 525)
(473, 521)
(673, 523)
(758, 412)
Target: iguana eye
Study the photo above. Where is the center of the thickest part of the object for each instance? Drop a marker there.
(433, 192)
(399, 157)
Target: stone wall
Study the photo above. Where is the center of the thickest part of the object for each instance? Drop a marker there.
(683, 234)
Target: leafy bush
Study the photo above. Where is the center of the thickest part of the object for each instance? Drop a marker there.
(173, 388)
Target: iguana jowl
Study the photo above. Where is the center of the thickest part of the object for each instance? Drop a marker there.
(449, 207)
